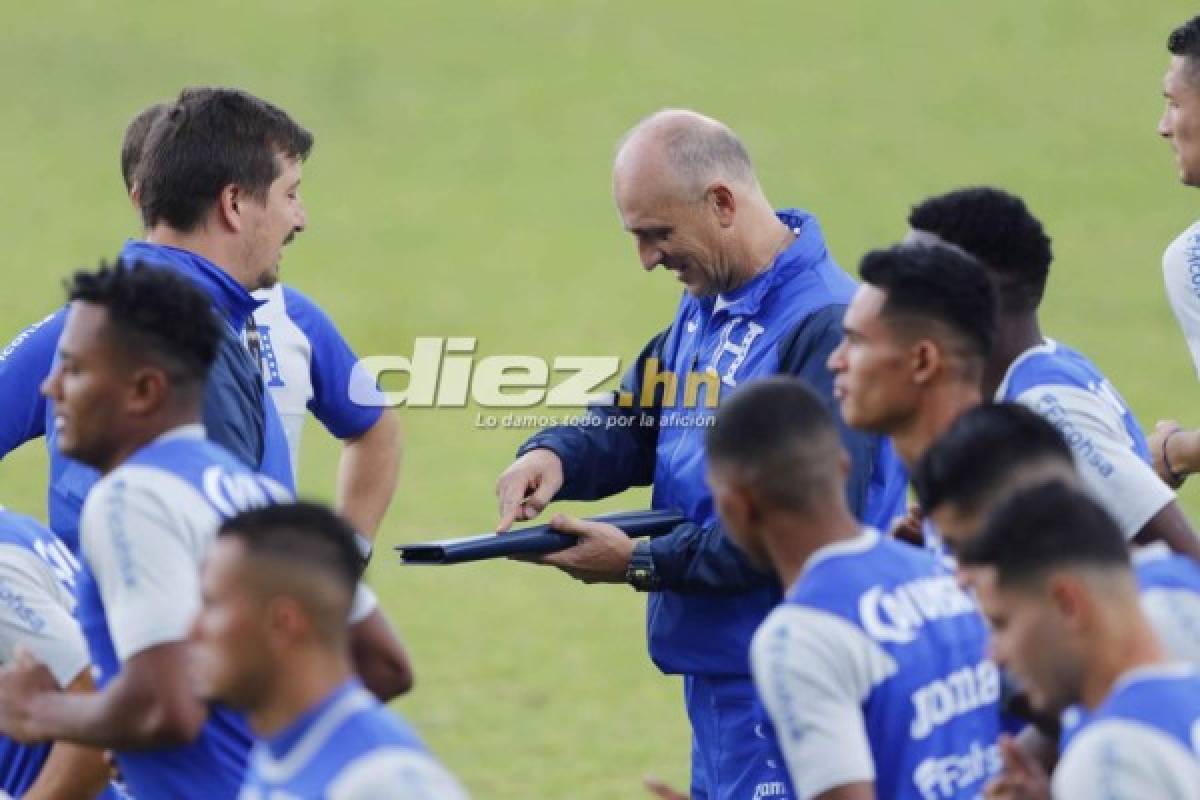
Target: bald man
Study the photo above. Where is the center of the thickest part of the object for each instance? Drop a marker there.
(761, 296)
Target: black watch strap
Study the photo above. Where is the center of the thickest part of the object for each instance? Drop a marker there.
(641, 573)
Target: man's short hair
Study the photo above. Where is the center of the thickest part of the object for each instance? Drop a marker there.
(1184, 41)
(935, 283)
(1045, 529)
(998, 229)
(981, 452)
(135, 140)
(207, 140)
(156, 313)
(780, 438)
(307, 539)
(697, 149)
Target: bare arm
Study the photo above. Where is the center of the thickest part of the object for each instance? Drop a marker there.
(1171, 526)
(851, 791)
(379, 657)
(367, 474)
(148, 704)
(71, 772)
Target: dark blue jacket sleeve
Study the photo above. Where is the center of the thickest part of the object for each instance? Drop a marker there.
(696, 558)
(600, 457)
(24, 364)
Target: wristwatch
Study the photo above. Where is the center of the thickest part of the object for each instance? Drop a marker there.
(641, 573)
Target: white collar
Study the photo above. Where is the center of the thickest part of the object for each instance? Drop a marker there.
(192, 430)
(1047, 346)
(864, 541)
(1171, 669)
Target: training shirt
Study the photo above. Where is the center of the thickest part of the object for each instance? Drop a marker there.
(874, 669)
(1181, 278)
(1169, 584)
(146, 528)
(1142, 742)
(348, 747)
(1110, 451)
(307, 366)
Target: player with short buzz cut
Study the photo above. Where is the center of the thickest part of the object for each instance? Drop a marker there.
(918, 334)
(867, 700)
(1061, 384)
(307, 366)
(271, 640)
(1052, 573)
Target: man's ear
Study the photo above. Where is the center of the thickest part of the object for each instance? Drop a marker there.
(285, 621)
(926, 360)
(149, 387)
(722, 202)
(1071, 599)
(843, 464)
(229, 207)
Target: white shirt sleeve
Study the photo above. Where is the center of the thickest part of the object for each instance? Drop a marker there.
(1181, 278)
(1122, 760)
(143, 535)
(395, 774)
(813, 671)
(36, 613)
(365, 602)
(1175, 617)
(1121, 482)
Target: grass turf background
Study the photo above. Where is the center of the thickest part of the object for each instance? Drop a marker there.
(460, 187)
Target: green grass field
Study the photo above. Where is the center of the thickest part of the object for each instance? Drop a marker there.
(460, 187)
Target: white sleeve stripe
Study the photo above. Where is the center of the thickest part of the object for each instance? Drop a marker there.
(395, 773)
(36, 612)
(1119, 480)
(813, 671)
(1126, 760)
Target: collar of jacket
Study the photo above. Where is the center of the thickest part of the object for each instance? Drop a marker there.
(807, 249)
(228, 296)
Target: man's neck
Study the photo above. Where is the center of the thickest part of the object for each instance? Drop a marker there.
(308, 679)
(940, 407)
(792, 538)
(142, 436)
(767, 236)
(202, 244)
(1128, 644)
(1015, 333)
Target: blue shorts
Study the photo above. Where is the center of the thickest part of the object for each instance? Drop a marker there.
(734, 754)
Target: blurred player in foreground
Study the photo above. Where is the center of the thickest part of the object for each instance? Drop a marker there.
(1053, 575)
(271, 640)
(867, 700)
